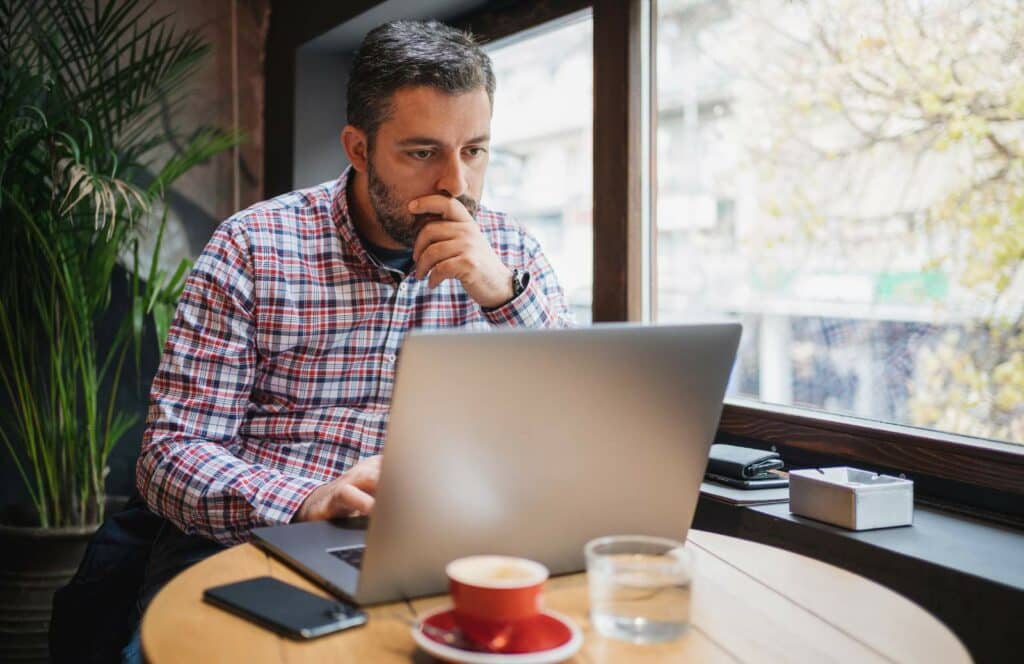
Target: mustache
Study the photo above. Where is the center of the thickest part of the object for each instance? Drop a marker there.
(471, 205)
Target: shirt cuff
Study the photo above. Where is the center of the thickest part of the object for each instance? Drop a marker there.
(528, 309)
(280, 498)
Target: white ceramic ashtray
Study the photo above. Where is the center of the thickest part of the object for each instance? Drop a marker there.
(851, 498)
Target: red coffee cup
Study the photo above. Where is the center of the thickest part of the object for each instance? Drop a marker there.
(494, 596)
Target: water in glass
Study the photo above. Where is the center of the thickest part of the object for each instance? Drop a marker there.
(641, 596)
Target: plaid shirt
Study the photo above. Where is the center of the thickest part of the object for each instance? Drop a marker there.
(279, 366)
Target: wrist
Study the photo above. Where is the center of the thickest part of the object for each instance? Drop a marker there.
(309, 506)
(503, 294)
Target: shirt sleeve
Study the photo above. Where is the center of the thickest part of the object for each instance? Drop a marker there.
(186, 471)
(542, 303)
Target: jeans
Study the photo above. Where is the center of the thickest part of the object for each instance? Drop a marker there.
(132, 653)
(94, 615)
(173, 552)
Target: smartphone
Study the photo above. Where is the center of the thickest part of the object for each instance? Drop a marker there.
(284, 608)
(776, 481)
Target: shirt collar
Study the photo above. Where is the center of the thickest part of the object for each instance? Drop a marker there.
(343, 220)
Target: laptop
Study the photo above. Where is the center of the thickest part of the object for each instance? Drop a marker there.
(526, 443)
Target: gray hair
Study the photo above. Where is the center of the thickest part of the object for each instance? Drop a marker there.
(412, 53)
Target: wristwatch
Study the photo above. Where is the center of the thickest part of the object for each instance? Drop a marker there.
(520, 280)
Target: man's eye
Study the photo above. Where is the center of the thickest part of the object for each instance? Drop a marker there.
(421, 154)
(475, 152)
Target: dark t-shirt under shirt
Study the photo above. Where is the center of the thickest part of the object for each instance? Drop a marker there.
(396, 259)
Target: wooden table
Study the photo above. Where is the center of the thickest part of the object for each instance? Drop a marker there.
(750, 603)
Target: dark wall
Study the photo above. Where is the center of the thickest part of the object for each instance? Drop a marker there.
(320, 115)
(133, 391)
(131, 398)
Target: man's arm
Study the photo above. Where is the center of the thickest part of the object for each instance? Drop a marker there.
(186, 471)
(543, 302)
(454, 247)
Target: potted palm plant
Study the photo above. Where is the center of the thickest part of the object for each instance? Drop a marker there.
(86, 90)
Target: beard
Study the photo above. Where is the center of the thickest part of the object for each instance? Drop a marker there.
(392, 212)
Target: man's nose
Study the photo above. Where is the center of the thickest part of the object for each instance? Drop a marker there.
(453, 180)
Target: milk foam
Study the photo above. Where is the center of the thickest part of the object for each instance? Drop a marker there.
(496, 571)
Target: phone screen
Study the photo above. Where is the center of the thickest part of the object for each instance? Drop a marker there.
(284, 608)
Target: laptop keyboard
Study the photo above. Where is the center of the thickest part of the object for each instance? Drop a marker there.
(353, 555)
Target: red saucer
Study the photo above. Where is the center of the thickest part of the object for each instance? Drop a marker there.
(538, 634)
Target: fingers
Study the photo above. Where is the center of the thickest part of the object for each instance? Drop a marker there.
(349, 498)
(371, 462)
(435, 253)
(351, 492)
(364, 474)
(448, 208)
(365, 479)
(451, 268)
(436, 231)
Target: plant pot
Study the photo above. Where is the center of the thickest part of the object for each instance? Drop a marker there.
(36, 562)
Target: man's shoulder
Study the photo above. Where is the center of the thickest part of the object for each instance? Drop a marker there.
(285, 213)
(503, 230)
(488, 218)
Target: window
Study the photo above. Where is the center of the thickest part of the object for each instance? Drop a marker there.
(540, 168)
(847, 178)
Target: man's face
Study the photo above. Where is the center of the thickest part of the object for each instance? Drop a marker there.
(433, 143)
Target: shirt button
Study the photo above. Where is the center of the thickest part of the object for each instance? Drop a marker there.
(389, 358)
(402, 286)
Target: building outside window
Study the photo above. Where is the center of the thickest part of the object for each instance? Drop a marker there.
(540, 169)
(847, 178)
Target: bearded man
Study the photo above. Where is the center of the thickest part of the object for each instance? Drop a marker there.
(273, 392)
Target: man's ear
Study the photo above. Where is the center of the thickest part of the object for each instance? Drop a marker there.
(356, 147)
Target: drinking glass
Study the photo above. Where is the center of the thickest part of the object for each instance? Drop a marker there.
(639, 587)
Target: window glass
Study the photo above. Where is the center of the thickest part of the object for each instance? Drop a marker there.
(847, 178)
(540, 162)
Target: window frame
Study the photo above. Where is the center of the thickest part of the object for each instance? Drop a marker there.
(620, 206)
(981, 476)
(951, 468)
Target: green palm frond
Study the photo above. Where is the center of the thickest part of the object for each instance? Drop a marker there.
(86, 88)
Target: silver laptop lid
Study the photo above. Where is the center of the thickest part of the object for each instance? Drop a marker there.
(532, 442)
